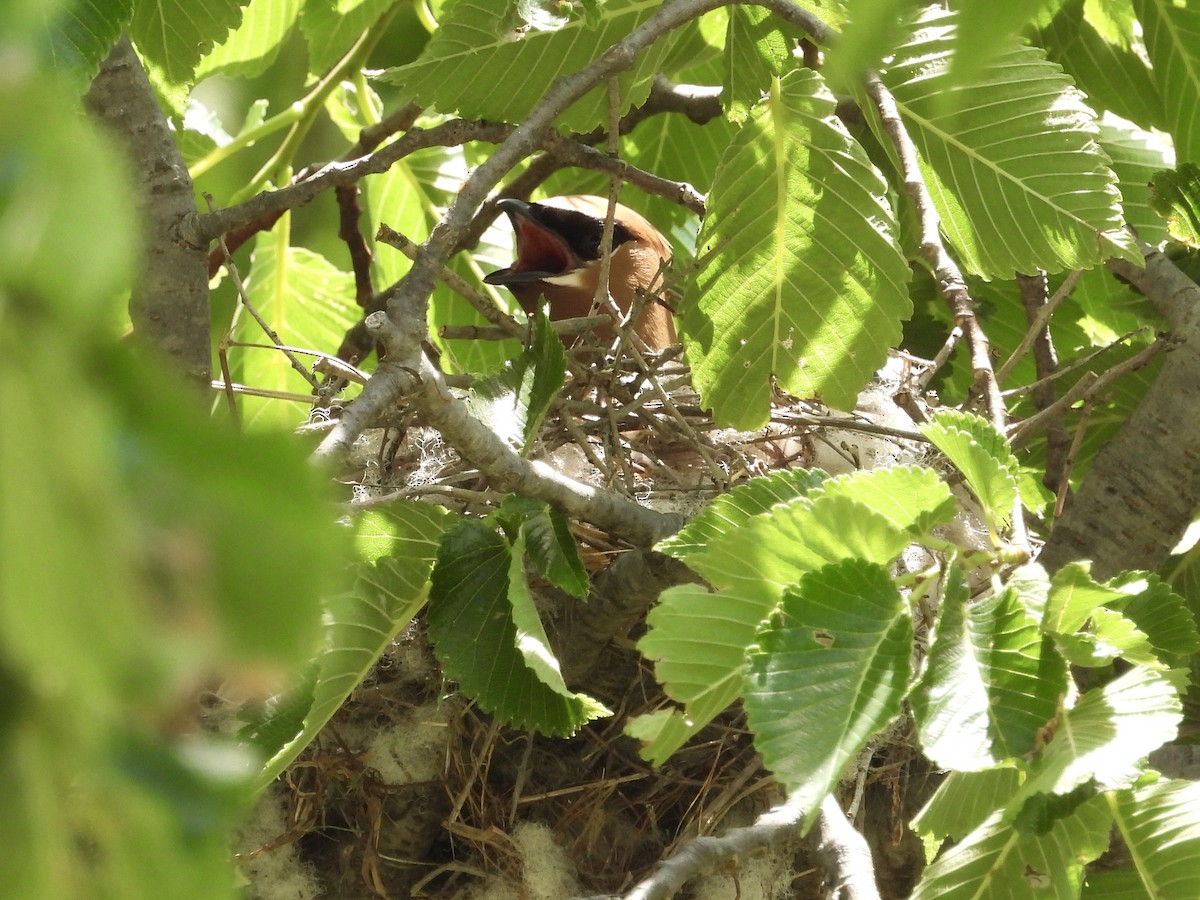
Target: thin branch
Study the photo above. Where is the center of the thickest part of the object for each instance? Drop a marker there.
(1039, 324)
(945, 270)
(1038, 310)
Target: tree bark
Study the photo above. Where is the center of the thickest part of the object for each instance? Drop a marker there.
(1143, 488)
(169, 304)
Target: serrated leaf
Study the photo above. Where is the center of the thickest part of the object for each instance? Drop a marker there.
(1013, 168)
(1161, 614)
(361, 622)
(697, 641)
(308, 303)
(800, 278)
(755, 51)
(472, 627)
(773, 550)
(173, 35)
(482, 64)
(1103, 66)
(1161, 828)
(1175, 195)
(541, 371)
(253, 45)
(81, 34)
(912, 498)
(514, 401)
(1172, 37)
(965, 800)
(534, 645)
(732, 510)
(991, 683)
(1073, 597)
(998, 860)
(829, 670)
(552, 549)
(1106, 734)
(1136, 155)
(983, 456)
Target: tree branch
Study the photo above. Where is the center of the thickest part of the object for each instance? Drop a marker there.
(1142, 490)
(169, 303)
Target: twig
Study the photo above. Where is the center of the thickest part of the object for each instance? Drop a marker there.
(1087, 388)
(1064, 486)
(562, 327)
(1038, 324)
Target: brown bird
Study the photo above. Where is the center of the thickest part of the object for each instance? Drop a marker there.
(558, 257)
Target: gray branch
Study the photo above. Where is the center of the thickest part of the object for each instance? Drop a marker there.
(169, 303)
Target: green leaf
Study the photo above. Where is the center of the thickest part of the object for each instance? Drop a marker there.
(997, 860)
(540, 371)
(830, 669)
(1136, 155)
(991, 683)
(1105, 66)
(1160, 826)
(755, 51)
(1161, 614)
(552, 549)
(411, 196)
(800, 279)
(401, 543)
(1172, 37)
(476, 584)
(982, 454)
(513, 402)
(1106, 734)
(331, 28)
(1014, 169)
(81, 34)
(481, 64)
(965, 800)
(548, 541)
(697, 641)
(1175, 195)
(308, 302)
(253, 46)
(173, 35)
(912, 498)
(732, 510)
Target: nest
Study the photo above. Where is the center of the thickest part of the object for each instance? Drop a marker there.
(412, 791)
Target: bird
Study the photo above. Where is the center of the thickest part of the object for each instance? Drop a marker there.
(558, 257)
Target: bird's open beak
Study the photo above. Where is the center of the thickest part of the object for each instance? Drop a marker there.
(541, 252)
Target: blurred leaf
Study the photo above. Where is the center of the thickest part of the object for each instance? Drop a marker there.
(1103, 66)
(873, 30)
(833, 665)
(1175, 195)
(1172, 37)
(781, 292)
(479, 65)
(1013, 168)
(332, 26)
